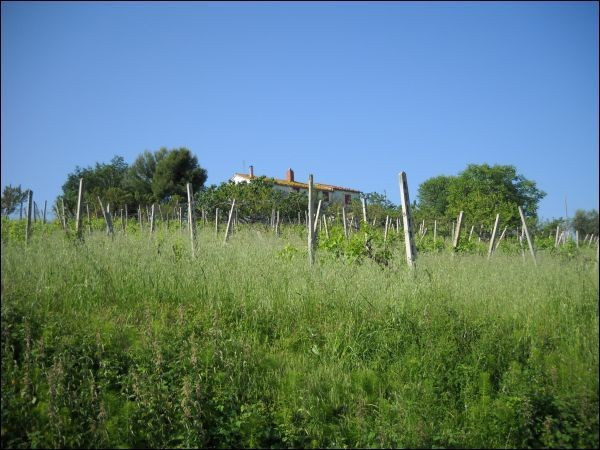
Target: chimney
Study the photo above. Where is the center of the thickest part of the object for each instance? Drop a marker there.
(251, 171)
(289, 175)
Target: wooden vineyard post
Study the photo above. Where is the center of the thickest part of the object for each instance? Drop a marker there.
(34, 212)
(364, 209)
(457, 231)
(527, 235)
(107, 218)
(344, 221)
(491, 248)
(87, 209)
(190, 197)
(28, 223)
(411, 252)
(229, 221)
(216, 221)
(44, 216)
(311, 243)
(501, 237)
(78, 216)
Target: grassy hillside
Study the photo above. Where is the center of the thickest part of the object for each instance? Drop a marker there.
(127, 342)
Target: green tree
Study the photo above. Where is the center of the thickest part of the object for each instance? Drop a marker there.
(102, 180)
(481, 191)
(139, 177)
(433, 196)
(585, 222)
(12, 196)
(173, 171)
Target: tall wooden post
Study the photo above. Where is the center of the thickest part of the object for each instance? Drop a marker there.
(491, 248)
(28, 223)
(411, 251)
(527, 235)
(190, 197)
(457, 231)
(78, 216)
(311, 241)
(44, 216)
(229, 221)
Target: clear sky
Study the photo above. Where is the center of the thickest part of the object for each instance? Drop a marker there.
(353, 93)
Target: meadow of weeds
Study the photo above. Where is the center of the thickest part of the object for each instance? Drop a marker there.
(126, 341)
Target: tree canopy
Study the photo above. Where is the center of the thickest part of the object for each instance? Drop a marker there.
(585, 222)
(481, 192)
(153, 177)
(11, 197)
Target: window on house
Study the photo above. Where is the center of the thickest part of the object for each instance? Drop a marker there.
(347, 199)
(325, 196)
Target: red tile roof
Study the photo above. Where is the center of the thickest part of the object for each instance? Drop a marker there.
(296, 184)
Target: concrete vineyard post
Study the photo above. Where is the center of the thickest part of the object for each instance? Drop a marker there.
(87, 209)
(411, 252)
(277, 225)
(344, 221)
(152, 219)
(501, 237)
(311, 250)
(324, 220)
(457, 232)
(317, 216)
(28, 223)
(216, 221)
(364, 209)
(471, 232)
(434, 231)
(107, 218)
(491, 247)
(126, 216)
(229, 221)
(78, 216)
(190, 197)
(556, 237)
(529, 243)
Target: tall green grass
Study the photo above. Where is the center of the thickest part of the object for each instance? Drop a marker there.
(128, 342)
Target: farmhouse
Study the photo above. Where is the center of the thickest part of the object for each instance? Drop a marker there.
(325, 192)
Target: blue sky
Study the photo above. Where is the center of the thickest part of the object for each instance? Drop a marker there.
(353, 93)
